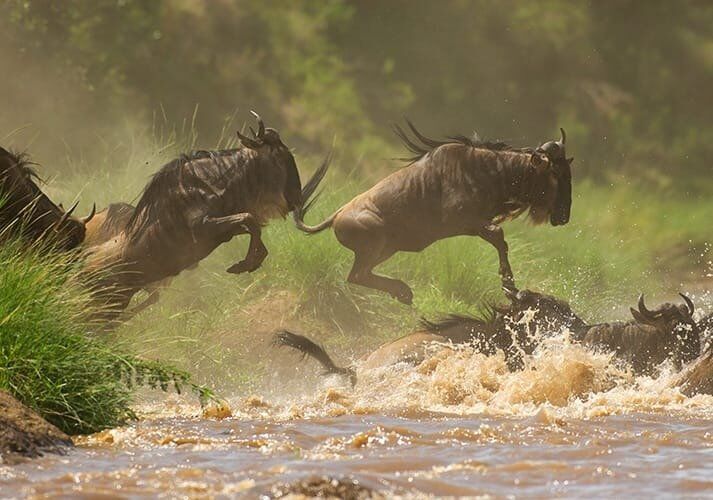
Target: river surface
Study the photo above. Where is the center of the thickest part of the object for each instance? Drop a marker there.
(571, 425)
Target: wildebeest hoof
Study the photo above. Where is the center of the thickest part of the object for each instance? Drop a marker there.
(242, 267)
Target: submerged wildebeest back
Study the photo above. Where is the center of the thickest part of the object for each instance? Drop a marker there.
(27, 211)
(499, 329)
(455, 187)
(668, 331)
(698, 378)
(199, 201)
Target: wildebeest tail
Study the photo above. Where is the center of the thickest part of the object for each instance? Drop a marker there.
(309, 197)
(309, 348)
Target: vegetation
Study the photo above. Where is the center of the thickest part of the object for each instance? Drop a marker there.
(620, 242)
(634, 101)
(48, 360)
(635, 104)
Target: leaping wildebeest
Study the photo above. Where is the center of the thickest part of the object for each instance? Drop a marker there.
(459, 186)
(108, 224)
(194, 204)
(27, 211)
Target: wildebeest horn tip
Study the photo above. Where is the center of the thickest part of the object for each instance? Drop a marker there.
(66, 215)
(689, 304)
(261, 125)
(564, 136)
(89, 217)
(642, 307)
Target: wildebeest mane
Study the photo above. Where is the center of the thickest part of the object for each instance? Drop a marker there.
(22, 162)
(169, 179)
(455, 320)
(422, 145)
(117, 217)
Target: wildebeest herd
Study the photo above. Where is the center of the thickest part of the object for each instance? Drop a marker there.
(458, 186)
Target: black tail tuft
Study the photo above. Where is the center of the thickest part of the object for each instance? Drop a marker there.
(311, 186)
(309, 348)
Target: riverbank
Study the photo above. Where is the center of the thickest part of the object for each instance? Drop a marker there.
(24, 434)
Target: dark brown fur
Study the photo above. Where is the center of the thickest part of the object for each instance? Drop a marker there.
(26, 211)
(451, 188)
(108, 224)
(667, 332)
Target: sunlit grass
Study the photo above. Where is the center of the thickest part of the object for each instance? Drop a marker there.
(617, 245)
(49, 358)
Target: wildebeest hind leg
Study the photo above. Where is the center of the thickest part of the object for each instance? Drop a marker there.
(362, 274)
(494, 235)
(233, 225)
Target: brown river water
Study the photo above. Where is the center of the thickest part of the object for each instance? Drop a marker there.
(570, 425)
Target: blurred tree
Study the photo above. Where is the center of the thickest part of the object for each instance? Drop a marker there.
(630, 81)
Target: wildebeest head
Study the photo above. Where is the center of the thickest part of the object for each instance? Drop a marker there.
(673, 319)
(267, 141)
(550, 160)
(25, 204)
(552, 313)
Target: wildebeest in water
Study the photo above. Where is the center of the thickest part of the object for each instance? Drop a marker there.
(500, 329)
(27, 211)
(667, 332)
(194, 204)
(455, 187)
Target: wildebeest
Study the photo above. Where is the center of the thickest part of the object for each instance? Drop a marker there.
(111, 223)
(665, 333)
(27, 211)
(501, 328)
(108, 223)
(194, 204)
(459, 186)
(698, 378)
(668, 331)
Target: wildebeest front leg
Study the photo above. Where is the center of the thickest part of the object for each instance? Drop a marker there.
(494, 235)
(233, 225)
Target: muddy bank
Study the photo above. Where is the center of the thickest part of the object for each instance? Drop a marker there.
(24, 434)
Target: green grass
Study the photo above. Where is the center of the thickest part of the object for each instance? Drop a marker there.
(48, 358)
(620, 242)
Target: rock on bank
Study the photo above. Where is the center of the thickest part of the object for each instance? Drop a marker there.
(23, 433)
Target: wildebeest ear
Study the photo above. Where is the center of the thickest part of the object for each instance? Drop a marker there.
(638, 316)
(539, 160)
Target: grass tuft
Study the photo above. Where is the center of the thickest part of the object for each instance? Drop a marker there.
(50, 362)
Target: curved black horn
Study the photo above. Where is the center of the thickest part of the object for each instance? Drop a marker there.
(247, 141)
(511, 293)
(65, 216)
(564, 136)
(689, 304)
(261, 125)
(642, 307)
(89, 217)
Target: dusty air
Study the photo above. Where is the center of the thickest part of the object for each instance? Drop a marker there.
(356, 250)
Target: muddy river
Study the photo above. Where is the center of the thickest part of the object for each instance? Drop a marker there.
(571, 424)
